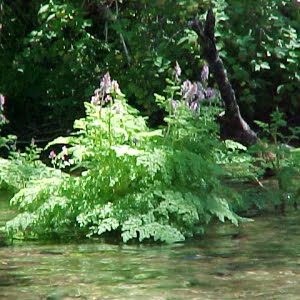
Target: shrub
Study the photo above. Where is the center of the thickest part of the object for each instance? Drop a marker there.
(136, 183)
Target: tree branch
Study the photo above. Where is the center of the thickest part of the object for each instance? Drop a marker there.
(232, 125)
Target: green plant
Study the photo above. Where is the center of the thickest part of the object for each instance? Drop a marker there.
(262, 54)
(24, 168)
(274, 146)
(51, 54)
(136, 183)
(275, 153)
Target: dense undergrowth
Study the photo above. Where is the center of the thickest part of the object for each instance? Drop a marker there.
(134, 182)
(115, 176)
(126, 181)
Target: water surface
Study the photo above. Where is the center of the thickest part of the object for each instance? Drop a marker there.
(257, 260)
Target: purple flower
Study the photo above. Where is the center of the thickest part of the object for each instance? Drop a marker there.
(177, 70)
(200, 92)
(174, 104)
(107, 98)
(107, 87)
(105, 84)
(205, 73)
(65, 150)
(194, 106)
(189, 90)
(95, 100)
(200, 95)
(97, 92)
(65, 153)
(210, 93)
(115, 87)
(185, 87)
(52, 154)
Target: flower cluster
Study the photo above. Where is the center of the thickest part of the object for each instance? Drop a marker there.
(195, 92)
(108, 88)
(61, 159)
(52, 154)
(204, 73)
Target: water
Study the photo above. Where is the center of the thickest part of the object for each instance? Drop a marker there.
(257, 260)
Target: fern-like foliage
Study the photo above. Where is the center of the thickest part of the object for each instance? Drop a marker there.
(137, 184)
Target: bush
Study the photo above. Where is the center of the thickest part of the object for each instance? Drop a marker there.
(136, 183)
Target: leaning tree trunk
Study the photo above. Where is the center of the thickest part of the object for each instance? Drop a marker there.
(232, 125)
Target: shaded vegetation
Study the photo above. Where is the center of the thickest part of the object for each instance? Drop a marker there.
(116, 175)
(137, 182)
(52, 55)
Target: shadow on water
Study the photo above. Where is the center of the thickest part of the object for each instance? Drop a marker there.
(11, 279)
(257, 260)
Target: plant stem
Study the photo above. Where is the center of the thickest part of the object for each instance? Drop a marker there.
(170, 113)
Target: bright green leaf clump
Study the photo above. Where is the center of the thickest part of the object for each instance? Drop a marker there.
(136, 183)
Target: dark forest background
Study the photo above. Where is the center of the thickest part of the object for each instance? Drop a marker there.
(53, 53)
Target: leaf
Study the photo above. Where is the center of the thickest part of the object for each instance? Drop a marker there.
(230, 144)
(261, 124)
(159, 97)
(282, 66)
(59, 141)
(80, 124)
(265, 65)
(43, 9)
(150, 133)
(183, 40)
(219, 207)
(126, 150)
(257, 67)
(292, 60)
(52, 16)
(280, 88)
(108, 224)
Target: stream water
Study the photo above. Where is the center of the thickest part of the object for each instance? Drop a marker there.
(257, 260)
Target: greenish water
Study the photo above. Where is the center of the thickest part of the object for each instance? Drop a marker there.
(258, 260)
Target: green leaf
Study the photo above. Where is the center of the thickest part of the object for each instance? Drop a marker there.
(280, 88)
(52, 16)
(43, 9)
(234, 145)
(60, 140)
(159, 97)
(151, 133)
(265, 65)
(126, 150)
(282, 66)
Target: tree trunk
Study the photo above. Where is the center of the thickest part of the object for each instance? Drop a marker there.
(232, 125)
